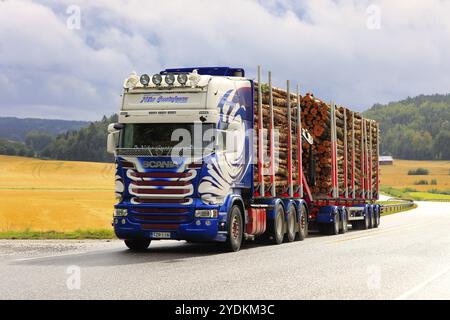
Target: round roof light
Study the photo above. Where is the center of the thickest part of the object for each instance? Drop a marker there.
(157, 79)
(182, 78)
(144, 80)
(170, 79)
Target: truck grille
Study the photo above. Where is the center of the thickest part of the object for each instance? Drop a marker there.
(148, 186)
(165, 217)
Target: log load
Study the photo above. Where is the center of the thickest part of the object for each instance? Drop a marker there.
(356, 145)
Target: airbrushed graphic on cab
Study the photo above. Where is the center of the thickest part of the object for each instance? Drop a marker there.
(227, 169)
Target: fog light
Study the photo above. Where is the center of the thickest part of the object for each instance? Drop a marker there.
(124, 221)
(119, 212)
(116, 221)
(208, 223)
(214, 213)
(198, 222)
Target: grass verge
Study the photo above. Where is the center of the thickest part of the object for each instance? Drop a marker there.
(77, 234)
(412, 194)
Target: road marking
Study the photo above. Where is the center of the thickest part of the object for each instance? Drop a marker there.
(420, 286)
(373, 233)
(52, 256)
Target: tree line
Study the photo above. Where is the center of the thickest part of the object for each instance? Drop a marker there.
(85, 144)
(415, 128)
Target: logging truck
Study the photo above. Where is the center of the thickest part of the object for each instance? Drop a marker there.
(205, 154)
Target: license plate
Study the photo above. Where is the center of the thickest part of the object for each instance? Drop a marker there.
(161, 235)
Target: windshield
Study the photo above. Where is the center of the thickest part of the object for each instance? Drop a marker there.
(167, 135)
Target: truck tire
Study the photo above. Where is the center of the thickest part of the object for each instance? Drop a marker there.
(137, 244)
(291, 225)
(365, 223)
(344, 223)
(235, 230)
(377, 217)
(372, 217)
(302, 225)
(276, 226)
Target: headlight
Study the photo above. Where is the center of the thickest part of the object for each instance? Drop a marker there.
(182, 79)
(170, 79)
(120, 212)
(207, 213)
(144, 80)
(157, 79)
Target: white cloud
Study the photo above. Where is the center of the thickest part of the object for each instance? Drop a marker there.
(323, 44)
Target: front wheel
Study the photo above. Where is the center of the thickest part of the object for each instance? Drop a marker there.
(137, 244)
(235, 230)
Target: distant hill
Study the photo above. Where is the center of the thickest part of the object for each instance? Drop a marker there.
(16, 129)
(415, 128)
(56, 139)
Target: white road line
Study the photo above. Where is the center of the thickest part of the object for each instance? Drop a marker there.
(421, 285)
(52, 256)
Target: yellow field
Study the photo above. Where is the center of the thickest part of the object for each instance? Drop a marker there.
(397, 175)
(44, 195)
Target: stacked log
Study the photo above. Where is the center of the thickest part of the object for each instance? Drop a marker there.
(316, 117)
(281, 139)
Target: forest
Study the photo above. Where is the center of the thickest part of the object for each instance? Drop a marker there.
(415, 128)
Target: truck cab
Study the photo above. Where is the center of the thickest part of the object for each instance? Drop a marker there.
(183, 152)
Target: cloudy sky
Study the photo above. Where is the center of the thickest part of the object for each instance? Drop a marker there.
(67, 59)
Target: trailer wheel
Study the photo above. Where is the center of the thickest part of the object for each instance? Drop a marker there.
(291, 225)
(334, 227)
(276, 226)
(235, 230)
(344, 223)
(137, 244)
(372, 217)
(377, 217)
(302, 225)
(365, 223)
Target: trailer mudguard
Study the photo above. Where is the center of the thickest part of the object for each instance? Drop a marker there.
(327, 214)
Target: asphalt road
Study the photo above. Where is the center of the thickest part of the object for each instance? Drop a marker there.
(408, 257)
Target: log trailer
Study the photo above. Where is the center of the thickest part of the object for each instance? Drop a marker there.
(205, 154)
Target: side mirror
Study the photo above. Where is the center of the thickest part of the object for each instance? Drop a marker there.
(115, 127)
(113, 137)
(112, 142)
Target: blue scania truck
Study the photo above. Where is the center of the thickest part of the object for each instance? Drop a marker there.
(195, 156)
